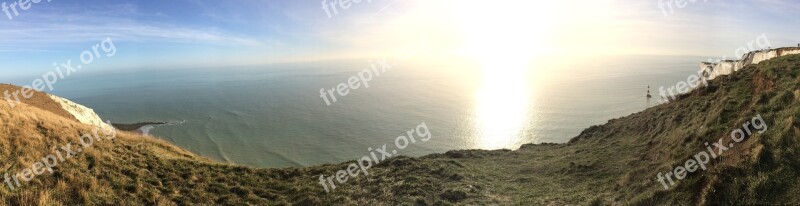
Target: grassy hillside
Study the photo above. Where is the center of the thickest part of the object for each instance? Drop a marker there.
(614, 163)
(37, 99)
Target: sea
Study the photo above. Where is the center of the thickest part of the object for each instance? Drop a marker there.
(273, 116)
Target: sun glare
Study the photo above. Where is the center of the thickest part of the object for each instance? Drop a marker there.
(504, 36)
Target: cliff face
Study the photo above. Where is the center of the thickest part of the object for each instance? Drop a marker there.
(54, 104)
(758, 57)
(83, 114)
(726, 67)
(617, 163)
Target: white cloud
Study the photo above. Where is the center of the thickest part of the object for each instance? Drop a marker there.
(47, 29)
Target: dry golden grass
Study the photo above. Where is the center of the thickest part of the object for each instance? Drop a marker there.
(29, 134)
(611, 164)
(39, 100)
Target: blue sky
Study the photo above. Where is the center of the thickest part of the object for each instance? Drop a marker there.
(197, 33)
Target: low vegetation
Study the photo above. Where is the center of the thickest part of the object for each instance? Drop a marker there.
(614, 163)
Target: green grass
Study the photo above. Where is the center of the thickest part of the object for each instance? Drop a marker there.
(614, 163)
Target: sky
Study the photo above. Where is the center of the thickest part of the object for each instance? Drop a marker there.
(199, 33)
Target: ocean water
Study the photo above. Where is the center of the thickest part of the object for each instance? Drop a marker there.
(273, 116)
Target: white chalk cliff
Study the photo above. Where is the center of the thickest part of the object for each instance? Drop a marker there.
(725, 67)
(82, 113)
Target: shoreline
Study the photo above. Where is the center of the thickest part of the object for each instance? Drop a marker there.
(135, 126)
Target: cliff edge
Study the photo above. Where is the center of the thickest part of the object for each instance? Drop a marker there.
(622, 162)
(726, 67)
(57, 105)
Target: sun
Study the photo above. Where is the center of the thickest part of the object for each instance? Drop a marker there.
(504, 36)
(499, 31)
